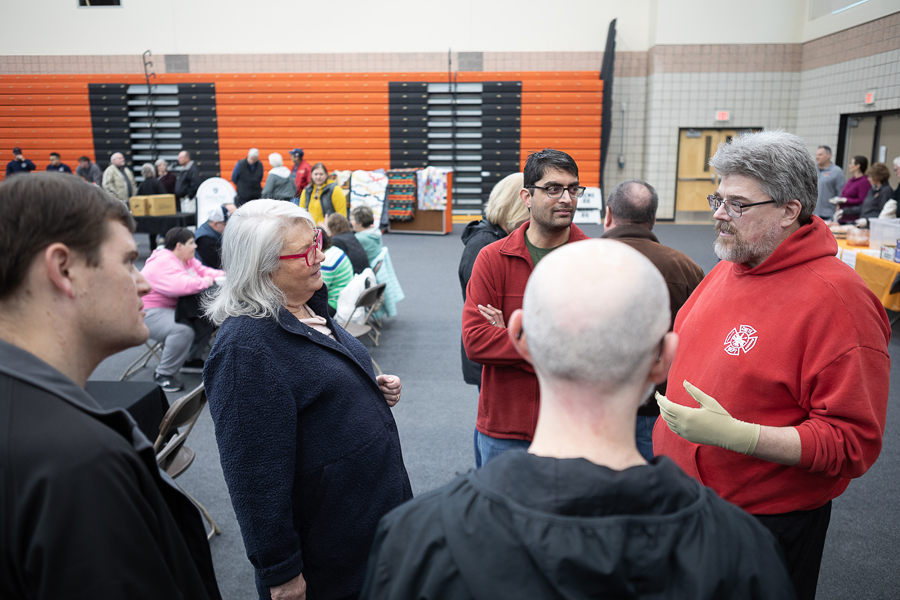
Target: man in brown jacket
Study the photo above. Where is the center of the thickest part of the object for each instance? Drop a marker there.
(630, 216)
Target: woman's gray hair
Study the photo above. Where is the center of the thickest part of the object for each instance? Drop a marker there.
(148, 171)
(251, 244)
(161, 161)
(275, 160)
(778, 161)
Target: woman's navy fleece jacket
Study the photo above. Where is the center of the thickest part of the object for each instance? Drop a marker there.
(308, 446)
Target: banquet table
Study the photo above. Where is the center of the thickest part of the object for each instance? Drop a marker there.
(878, 274)
(155, 226)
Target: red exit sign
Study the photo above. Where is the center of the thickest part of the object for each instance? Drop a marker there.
(723, 115)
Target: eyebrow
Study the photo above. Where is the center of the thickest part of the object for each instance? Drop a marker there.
(732, 197)
(549, 183)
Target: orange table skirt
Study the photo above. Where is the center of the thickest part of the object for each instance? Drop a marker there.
(877, 273)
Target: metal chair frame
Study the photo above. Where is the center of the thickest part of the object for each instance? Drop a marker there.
(173, 456)
(152, 350)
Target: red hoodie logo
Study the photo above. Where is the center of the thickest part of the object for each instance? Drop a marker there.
(740, 338)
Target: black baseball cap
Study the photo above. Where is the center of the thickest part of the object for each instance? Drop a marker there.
(297, 151)
(18, 150)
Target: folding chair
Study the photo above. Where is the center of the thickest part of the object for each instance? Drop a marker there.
(174, 457)
(152, 350)
(369, 300)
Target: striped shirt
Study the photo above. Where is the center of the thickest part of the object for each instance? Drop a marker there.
(337, 271)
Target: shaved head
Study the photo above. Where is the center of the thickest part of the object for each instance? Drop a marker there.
(595, 311)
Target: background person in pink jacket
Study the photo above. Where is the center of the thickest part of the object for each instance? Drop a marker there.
(174, 272)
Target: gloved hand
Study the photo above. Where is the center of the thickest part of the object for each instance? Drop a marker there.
(837, 215)
(710, 424)
(862, 223)
(837, 200)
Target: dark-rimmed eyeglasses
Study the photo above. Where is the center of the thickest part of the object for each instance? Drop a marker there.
(310, 254)
(554, 192)
(733, 208)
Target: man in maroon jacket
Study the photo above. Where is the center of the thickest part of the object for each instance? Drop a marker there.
(509, 399)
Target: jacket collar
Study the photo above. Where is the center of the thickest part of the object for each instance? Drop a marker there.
(25, 366)
(319, 304)
(629, 231)
(514, 243)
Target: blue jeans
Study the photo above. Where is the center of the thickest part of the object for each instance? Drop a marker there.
(643, 434)
(488, 448)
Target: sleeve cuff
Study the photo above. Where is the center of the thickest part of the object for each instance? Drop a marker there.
(288, 572)
(807, 447)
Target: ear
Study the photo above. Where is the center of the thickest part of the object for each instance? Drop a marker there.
(659, 370)
(791, 212)
(607, 220)
(517, 335)
(58, 260)
(525, 195)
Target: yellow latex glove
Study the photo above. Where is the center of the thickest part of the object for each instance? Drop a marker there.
(710, 424)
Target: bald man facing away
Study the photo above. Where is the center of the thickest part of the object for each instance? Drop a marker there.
(581, 514)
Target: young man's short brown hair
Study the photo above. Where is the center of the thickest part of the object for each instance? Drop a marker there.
(46, 208)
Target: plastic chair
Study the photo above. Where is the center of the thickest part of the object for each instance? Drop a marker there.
(369, 300)
(173, 456)
(141, 362)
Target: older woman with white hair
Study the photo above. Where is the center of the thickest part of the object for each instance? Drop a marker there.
(279, 183)
(150, 186)
(162, 173)
(308, 445)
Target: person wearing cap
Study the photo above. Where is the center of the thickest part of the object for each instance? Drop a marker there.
(209, 236)
(20, 164)
(301, 172)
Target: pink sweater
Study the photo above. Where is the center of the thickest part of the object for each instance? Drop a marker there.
(171, 278)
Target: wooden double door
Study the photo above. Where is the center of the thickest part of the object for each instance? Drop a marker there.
(696, 179)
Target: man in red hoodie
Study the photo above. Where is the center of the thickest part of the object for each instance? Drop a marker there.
(509, 398)
(779, 392)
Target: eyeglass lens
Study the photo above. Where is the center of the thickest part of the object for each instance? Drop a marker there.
(732, 208)
(556, 191)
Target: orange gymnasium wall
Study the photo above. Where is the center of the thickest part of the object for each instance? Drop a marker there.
(341, 119)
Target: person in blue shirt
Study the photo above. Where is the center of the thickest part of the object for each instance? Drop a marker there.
(19, 164)
(57, 166)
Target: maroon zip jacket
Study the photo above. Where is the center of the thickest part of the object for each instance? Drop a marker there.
(510, 397)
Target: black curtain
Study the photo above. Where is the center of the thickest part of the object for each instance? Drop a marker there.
(606, 76)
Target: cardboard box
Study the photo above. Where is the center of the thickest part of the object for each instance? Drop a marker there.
(138, 206)
(887, 252)
(161, 205)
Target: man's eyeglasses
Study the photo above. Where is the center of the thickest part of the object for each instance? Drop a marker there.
(733, 208)
(310, 254)
(555, 192)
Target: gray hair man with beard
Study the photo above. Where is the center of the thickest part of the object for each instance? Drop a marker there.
(789, 348)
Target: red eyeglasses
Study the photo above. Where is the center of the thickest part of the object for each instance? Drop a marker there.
(310, 260)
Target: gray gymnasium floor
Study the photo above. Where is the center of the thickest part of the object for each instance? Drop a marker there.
(437, 415)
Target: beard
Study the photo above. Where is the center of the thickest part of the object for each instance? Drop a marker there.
(739, 250)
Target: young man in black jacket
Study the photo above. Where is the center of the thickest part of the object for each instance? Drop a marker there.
(86, 511)
(581, 514)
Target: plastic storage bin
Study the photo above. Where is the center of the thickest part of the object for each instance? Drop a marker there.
(883, 232)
